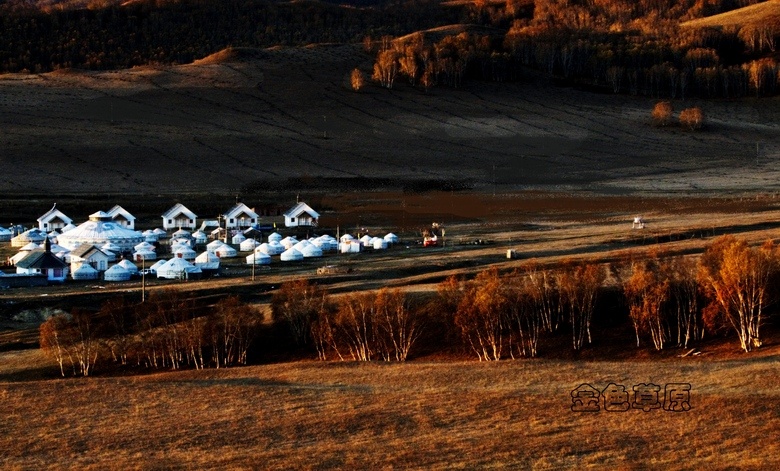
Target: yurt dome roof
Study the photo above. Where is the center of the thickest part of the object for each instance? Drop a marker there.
(97, 231)
(291, 255)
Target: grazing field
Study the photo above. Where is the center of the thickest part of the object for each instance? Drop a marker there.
(420, 415)
(255, 118)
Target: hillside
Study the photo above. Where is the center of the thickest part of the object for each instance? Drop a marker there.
(758, 15)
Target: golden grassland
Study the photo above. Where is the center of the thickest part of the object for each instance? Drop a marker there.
(760, 14)
(424, 415)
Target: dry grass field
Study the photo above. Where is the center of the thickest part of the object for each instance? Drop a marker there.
(251, 117)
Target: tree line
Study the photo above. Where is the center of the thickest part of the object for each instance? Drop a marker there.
(668, 301)
(615, 45)
(170, 331)
(115, 36)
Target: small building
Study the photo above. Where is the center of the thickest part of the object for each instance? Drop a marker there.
(53, 219)
(178, 217)
(240, 217)
(301, 215)
(122, 217)
(88, 254)
(43, 262)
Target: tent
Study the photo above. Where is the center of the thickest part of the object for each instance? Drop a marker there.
(214, 245)
(311, 251)
(291, 255)
(85, 272)
(143, 254)
(200, 237)
(275, 237)
(352, 246)
(157, 265)
(346, 238)
(225, 251)
(33, 235)
(391, 238)
(160, 233)
(185, 252)
(301, 245)
(258, 258)
(100, 229)
(366, 240)
(378, 244)
(129, 266)
(5, 234)
(67, 227)
(181, 234)
(207, 261)
(248, 245)
(150, 236)
(116, 273)
(144, 246)
(238, 238)
(177, 269)
(288, 242)
(181, 241)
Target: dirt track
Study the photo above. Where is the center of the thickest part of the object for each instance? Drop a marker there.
(220, 126)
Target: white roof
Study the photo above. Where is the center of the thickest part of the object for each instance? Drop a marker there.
(99, 232)
(128, 265)
(158, 264)
(207, 260)
(225, 251)
(240, 209)
(116, 273)
(274, 237)
(175, 267)
(31, 235)
(5, 231)
(144, 246)
(258, 258)
(120, 211)
(390, 237)
(30, 246)
(54, 213)
(311, 250)
(347, 237)
(181, 233)
(178, 209)
(299, 209)
(291, 255)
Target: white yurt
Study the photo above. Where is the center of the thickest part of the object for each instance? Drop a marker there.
(116, 273)
(379, 244)
(207, 261)
(288, 242)
(225, 251)
(275, 237)
(258, 258)
(161, 234)
(237, 239)
(32, 235)
(181, 234)
(248, 245)
(112, 250)
(30, 247)
(5, 234)
(214, 245)
(366, 240)
(291, 255)
(68, 227)
(84, 272)
(144, 246)
(143, 254)
(181, 241)
(351, 246)
(52, 236)
(129, 266)
(301, 245)
(200, 237)
(157, 265)
(150, 236)
(346, 238)
(178, 268)
(391, 238)
(100, 229)
(185, 252)
(275, 248)
(311, 251)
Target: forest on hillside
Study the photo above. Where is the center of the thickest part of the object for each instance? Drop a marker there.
(620, 46)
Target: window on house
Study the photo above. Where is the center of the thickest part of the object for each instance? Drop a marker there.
(57, 272)
(170, 221)
(292, 219)
(232, 220)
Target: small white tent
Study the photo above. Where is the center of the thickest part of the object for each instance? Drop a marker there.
(311, 251)
(185, 252)
(238, 238)
(116, 273)
(391, 238)
(291, 255)
(225, 251)
(248, 245)
(157, 265)
(178, 268)
(207, 261)
(143, 254)
(258, 258)
(144, 246)
(84, 272)
(129, 266)
(379, 244)
(275, 237)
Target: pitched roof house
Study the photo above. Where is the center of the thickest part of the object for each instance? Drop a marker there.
(43, 262)
(240, 217)
(53, 219)
(122, 217)
(178, 217)
(301, 215)
(90, 255)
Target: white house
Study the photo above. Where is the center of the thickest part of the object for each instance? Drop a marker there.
(301, 215)
(122, 217)
(179, 216)
(53, 219)
(240, 217)
(90, 255)
(43, 262)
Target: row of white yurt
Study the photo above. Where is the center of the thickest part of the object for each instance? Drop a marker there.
(258, 258)
(5, 234)
(161, 233)
(308, 249)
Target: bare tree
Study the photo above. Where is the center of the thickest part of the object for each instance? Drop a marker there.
(398, 323)
(579, 283)
(357, 79)
(481, 315)
(297, 304)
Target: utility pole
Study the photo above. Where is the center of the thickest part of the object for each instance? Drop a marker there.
(143, 279)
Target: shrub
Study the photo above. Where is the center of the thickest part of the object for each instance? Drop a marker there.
(692, 118)
(662, 113)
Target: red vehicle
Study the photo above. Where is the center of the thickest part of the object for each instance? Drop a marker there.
(432, 241)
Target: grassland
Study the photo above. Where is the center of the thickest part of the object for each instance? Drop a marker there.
(761, 14)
